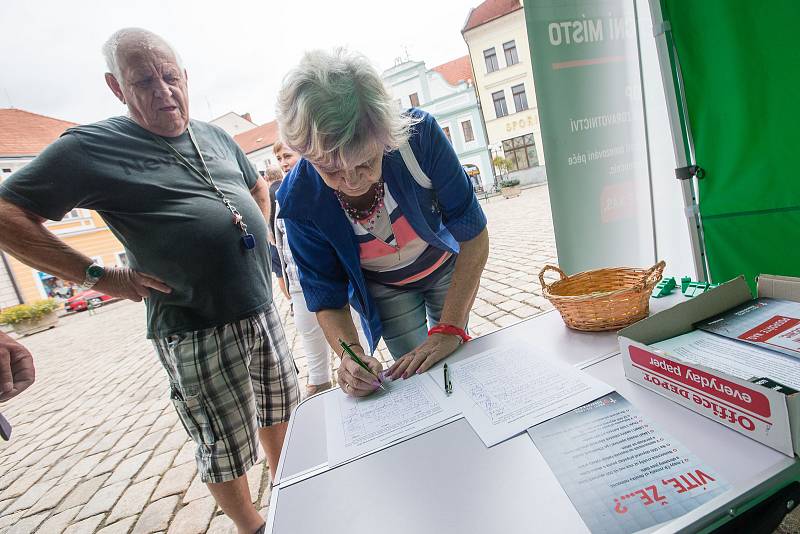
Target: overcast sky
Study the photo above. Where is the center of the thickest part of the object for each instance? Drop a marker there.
(236, 51)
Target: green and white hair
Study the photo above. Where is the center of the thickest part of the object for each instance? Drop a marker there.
(334, 110)
(133, 36)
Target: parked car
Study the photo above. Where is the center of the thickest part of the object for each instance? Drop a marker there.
(80, 302)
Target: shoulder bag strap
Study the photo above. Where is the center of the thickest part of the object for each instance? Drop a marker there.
(413, 166)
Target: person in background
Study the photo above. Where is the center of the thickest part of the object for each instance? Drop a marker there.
(379, 212)
(313, 338)
(274, 176)
(286, 160)
(285, 156)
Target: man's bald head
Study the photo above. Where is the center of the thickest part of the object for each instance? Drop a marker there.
(133, 40)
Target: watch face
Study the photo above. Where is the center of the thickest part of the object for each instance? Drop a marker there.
(95, 271)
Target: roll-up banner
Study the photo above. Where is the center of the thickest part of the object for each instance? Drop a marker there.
(586, 70)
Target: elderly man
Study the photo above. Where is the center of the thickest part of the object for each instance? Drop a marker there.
(191, 212)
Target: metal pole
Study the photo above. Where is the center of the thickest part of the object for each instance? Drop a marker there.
(681, 133)
(646, 134)
(11, 276)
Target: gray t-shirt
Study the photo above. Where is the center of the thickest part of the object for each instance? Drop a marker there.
(170, 222)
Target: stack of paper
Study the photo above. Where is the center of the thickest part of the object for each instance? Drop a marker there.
(501, 392)
(769, 323)
(505, 391)
(741, 360)
(357, 426)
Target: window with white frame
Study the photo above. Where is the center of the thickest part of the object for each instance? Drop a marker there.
(520, 100)
(74, 221)
(414, 98)
(466, 127)
(490, 57)
(521, 151)
(446, 130)
(510, 51)
(500, 108)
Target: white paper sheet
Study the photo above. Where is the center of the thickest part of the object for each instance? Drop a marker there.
(357, 426)
(736, 358)
(504, 391)
(622, 473)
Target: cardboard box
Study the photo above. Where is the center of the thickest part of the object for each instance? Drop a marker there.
(763, 414)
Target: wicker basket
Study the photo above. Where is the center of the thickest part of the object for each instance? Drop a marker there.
(604, 299)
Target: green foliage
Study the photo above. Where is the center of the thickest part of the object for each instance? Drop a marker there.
(509, 183)
(25, 312)
(503, 164)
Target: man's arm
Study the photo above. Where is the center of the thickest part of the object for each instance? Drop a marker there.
(24, 236)
(260, 193)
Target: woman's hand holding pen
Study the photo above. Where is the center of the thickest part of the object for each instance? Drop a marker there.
(355, 380)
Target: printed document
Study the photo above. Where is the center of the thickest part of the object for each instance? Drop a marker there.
(741, 360)
(769, 323)
(357, 426)
(504, 391)
(622, 473)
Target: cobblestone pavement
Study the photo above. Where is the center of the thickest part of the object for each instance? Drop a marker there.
(98, 448)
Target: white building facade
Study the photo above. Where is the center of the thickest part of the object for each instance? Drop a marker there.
(233, 123)
(446, 92)
(497, 39)
(257, 144)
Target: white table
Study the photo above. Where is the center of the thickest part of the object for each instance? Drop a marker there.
(447, 481)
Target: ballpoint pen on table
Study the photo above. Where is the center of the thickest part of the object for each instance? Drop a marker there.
(346, 348)
(448, 385)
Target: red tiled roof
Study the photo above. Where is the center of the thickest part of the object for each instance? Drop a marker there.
(488, 11)
(259, 137)
(458, 70)
(23, 133)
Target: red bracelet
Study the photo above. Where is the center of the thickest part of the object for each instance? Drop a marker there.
(450, 330)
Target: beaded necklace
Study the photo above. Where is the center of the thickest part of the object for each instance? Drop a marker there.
(362, 214)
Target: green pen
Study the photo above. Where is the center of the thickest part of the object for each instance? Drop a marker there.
(358, 360)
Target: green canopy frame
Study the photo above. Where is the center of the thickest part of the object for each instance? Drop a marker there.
(731, 72)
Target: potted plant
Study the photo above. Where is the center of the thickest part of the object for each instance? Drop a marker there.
(503, 166)
(31, 318)
(509, 188)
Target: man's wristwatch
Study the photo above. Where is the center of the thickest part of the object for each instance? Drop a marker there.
(94, 273)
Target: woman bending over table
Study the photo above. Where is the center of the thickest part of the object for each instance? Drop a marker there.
(379, 214)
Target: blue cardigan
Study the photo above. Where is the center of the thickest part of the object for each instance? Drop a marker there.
(321, 237)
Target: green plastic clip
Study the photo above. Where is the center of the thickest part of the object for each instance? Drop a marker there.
(685, 281)
(696, 288)
(664, 287)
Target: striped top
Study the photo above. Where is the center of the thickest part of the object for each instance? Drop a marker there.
(390, 250)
